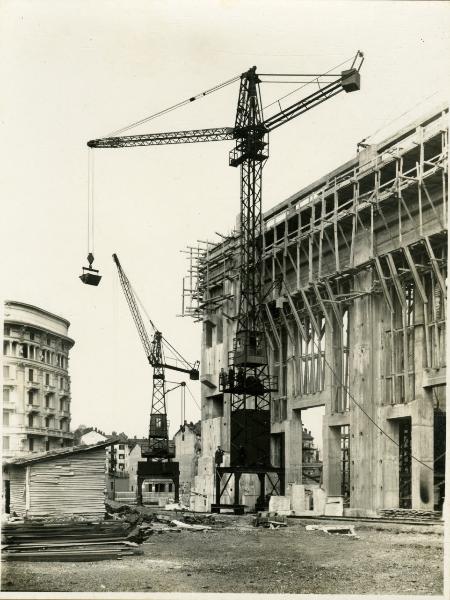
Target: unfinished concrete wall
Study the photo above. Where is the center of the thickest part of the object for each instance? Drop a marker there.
(357, 324)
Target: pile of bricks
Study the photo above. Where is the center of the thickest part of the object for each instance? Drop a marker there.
(408, 514)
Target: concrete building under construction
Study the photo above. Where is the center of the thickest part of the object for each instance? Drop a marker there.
(355, 267)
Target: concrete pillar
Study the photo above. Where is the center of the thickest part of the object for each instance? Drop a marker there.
(366, 389)
(422, 447)
(293, 447)
(332, 459)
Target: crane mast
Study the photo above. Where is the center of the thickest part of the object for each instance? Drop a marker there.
(248, 380)
(158, 436)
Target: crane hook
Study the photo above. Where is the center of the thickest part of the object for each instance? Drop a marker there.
(90, 275)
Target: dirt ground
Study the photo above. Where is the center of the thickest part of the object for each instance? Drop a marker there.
(386, 559)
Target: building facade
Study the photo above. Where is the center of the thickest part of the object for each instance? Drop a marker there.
(355, 269)
(36, 381)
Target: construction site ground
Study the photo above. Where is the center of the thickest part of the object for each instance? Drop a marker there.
(234, 556)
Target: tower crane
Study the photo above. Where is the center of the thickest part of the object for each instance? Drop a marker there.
(159, 461)
(248, 381)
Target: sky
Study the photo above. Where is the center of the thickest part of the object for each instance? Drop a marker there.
(76, 70)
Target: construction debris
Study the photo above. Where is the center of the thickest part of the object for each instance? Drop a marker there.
(271, 520)
(67, 541)
(333, 529)
(182, 525)
(410, 514)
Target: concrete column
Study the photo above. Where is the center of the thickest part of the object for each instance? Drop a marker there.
(422, 422)
(332, 459)
(293, 447)
(422, 447)
(366, 389)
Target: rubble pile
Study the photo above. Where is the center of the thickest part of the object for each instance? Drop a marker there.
(144, 523)
(272, 520)
(409, 514)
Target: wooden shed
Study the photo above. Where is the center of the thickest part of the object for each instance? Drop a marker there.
(59, 483)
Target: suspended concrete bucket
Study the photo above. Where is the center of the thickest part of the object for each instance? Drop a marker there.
(90, 276)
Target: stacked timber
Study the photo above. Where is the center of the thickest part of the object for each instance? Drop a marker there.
(67, 541)
(409, 514)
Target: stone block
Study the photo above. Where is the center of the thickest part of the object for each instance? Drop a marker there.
(280, 504)
(334, 506)
(249, 500)
(319, 498)
(298, 500)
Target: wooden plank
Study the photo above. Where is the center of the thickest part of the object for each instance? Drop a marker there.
(396, 280)
(322, 306)
(295, 314)
(382, 278)
(310, 312)
(336, 310)
(415, 274)
(274, 329)
(435, 265)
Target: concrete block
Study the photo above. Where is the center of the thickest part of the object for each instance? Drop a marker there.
(334, 506)
(319, 498)
(249, 500)
(298, 499)
(280, 504)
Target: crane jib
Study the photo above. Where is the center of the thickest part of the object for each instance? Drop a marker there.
(216, 134)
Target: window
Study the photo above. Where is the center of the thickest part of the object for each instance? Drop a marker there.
(48, 340)
(399, 349)
(312, 357)
(5, 442)
(170, 487)
(24, 351)
(5, 348)
(6, 393)
(47, 379)
(5, 372)
(121, 467)
(30, 396)
(121, 456)
(61, 383)
(30, 374)
(7, 330)
(121, 446)
(5, 419)
(30, 420)
(31, 335)
(47, 446)
(48, 401)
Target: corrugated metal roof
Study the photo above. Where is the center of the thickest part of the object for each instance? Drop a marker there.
(26, 460)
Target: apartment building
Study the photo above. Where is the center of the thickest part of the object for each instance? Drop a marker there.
(36, 381)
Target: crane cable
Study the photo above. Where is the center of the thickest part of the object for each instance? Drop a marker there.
(90, 203)
(175, 106)
(193, 397)
(311, 81)
(177, 355)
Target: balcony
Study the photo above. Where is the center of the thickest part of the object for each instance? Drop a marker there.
(58, 433)
(32, 408)
(33, 385)
(8, 405)
(50, 409)
(35, 430)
